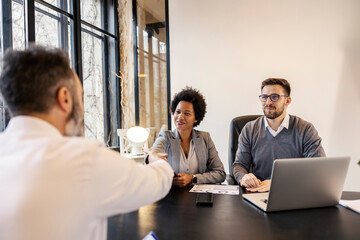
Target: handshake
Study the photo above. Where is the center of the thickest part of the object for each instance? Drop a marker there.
(154, 156)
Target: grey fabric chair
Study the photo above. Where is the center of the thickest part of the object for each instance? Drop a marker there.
(236, 126)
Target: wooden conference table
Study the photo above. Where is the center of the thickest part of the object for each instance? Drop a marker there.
(231, 217)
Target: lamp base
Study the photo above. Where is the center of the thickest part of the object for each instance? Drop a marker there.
(135, 151)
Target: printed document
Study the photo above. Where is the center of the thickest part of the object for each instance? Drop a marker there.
(216, 189)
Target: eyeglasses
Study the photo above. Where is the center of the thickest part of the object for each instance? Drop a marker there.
(273, 97)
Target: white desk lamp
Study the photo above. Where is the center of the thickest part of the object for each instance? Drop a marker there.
(131, 142)
(137, 137)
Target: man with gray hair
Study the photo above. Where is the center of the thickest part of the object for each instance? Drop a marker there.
(273, 136)
(54, 185)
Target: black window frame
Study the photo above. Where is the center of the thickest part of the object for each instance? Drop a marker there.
(6, 42)
(111, 101)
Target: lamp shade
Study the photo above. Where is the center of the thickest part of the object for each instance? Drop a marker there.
(137, 137)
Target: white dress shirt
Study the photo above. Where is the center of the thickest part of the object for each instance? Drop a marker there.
(55, 187)
(189, 165)
(284, 124)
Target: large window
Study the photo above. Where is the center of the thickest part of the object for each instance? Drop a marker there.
(151, 55)
(87, 30)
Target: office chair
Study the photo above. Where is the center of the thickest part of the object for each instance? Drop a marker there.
(236, 125)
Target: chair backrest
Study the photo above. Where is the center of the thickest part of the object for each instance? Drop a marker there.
(236, 126)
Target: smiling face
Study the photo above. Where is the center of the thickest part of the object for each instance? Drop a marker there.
(184, 116)
(273, 110)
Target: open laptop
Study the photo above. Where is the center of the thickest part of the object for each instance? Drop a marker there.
(303, 183)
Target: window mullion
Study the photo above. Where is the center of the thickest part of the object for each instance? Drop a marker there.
(6, 27)
(117, 67)
(6, 42)
(29, 18)
(63, 27)
(136, 64)
(76, 39)
(106, 79)
(168, 60)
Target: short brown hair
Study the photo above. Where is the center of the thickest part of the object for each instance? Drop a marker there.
(277, 81)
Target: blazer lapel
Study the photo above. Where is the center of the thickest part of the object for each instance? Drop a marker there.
(175, 150)
(200, 150)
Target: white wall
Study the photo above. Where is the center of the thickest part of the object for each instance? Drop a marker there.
(226, 48)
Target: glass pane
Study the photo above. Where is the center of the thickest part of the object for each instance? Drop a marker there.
(152, 63)
(18, 29)
(52, 29)
(92, 12)
(92, 45)
(46, 26)
(62, 4)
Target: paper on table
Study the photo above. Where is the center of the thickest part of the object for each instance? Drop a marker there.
(216, 189)
(351, 204)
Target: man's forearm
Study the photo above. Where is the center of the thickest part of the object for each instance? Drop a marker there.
(239, 171)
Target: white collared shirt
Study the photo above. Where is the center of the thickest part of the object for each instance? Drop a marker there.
(284, 124)
(189, 165)
(55, 187)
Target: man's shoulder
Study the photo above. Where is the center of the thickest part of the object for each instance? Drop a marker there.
(254, 125)
(252, 128)
(298, 122)
(79, 145)
(83, 141)
(301, 126)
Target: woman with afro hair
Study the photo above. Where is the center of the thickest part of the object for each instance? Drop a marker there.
(191, 153)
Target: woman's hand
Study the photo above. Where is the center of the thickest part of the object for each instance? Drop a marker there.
(182, 179)
(153, 156)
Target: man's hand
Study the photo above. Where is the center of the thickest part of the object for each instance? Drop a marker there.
(250, 181)
(154, 156)
(264, 187)
(182, 180)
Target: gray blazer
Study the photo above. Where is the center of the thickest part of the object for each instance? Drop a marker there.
(211, 169)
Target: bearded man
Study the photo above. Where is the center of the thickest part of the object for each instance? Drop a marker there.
(54, 185)
(273, 136)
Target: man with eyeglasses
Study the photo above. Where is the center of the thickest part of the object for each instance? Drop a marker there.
(273, 136)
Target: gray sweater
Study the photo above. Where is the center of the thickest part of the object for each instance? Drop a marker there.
(258, 148)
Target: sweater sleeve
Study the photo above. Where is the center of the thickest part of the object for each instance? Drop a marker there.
(243, 159)
(312, 143)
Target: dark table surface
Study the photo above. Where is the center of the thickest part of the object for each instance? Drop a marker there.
(231, 217)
